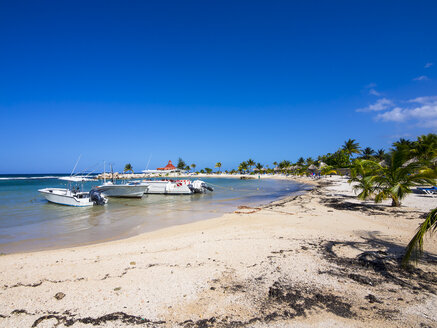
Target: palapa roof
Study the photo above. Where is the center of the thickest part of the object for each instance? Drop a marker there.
(169, 166)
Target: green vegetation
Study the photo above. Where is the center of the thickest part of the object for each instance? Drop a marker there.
(181, 164)
(218, 165)
(128, 168)
(415, 248)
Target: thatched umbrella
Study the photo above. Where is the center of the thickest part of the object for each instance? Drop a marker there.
(322, 165)
(312, 168)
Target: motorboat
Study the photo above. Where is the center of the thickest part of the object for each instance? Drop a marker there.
(73, 197)
(77, 178)
(176, 187)
(127, 190)
(200, 186)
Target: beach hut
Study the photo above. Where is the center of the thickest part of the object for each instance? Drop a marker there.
(313, 169)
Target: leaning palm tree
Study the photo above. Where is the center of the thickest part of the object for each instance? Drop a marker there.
(127, 168)
(218, 165)
(415, 247)
(395, 179)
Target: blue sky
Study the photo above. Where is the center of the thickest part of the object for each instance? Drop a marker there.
(210, 81)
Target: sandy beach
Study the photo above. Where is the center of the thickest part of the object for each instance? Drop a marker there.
(320, 259)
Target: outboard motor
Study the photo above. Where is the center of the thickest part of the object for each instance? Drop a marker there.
(190, 186)
(200, 186)
(96, 197)
(208, 187)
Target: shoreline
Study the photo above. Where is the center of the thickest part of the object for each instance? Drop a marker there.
(132, 233)
(303, 260)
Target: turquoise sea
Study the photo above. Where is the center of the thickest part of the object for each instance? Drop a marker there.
(28, 222)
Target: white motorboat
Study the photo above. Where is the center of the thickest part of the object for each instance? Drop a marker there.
(73, 197)
(176, 187)
(128, 190)
(77, 178)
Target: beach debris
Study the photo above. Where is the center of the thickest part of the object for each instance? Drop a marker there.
(132, 263)
(372, 299)
(247, 210)
(116, 289)
(59, 296)
(299, 300)
(361, 279)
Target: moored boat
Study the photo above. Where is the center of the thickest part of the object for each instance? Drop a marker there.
(176, 187)
(126, 190)
(73, 197)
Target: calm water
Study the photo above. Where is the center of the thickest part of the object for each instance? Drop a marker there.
(28, 222)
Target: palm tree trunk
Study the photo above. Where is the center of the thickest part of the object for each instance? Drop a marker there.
(395, 202)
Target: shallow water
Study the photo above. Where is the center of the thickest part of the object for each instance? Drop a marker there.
(28, 222)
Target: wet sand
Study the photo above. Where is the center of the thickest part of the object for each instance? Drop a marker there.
(320, 259)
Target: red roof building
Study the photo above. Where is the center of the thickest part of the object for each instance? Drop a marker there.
(168, 167)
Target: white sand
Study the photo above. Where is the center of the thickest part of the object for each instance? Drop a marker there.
(304, 251)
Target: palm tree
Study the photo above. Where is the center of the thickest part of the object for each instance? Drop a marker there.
(128, 168)
(361, 176)
(259, 166)
(309, 161)
(218, 165)
(327, 170)
(395, 179)
(275, 164)
(250, 163)
(242, 167)
(193, 166)
(380, 154)
(367, 153)
(425, 148)
(300, 161)
(403, 144)
(351, 147)
(415, 247)
(284, 165)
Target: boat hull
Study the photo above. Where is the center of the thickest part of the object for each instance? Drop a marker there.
(65, 197)
(167, 188)
(124, 191)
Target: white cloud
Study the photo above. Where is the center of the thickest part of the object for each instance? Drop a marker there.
(395, 115)
(371, 85)
(423, 112)
(374, 92)
(379, 105)
(421, 78)
(428, 65)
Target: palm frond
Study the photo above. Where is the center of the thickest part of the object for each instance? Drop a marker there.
(415, 246)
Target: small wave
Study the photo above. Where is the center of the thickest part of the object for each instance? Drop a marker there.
(28, 178)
